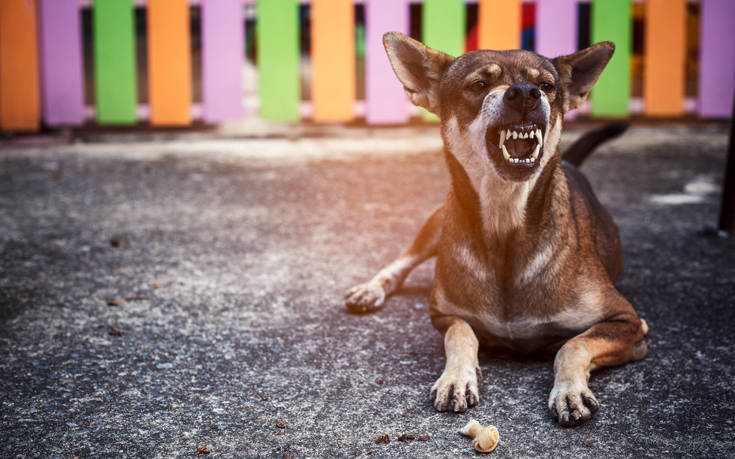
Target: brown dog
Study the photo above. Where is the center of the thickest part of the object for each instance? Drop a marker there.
(526, 255)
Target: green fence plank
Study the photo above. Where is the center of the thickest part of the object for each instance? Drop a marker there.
(116, 90)
(443, 28)
(277, 30)
(611, 20)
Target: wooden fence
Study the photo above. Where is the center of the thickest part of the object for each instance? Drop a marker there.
(42, 77)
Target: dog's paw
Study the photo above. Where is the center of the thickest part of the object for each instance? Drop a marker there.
(571, 404)
(456, 390)
(367, 297)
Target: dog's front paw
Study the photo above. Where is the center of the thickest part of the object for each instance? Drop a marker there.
(366, 297)
(572, 403)
(456, 390)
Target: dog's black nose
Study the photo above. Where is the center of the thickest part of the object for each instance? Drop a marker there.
(522, 97)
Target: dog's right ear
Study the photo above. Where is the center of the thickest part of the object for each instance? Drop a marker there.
(419, 68)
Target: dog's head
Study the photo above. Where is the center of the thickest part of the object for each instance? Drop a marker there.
(499, 109)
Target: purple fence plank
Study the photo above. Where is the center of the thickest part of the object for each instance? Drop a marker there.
(385, 100)
(62, 88)
(717, 59)
(556, 27)
(556, 30)
(223, 53)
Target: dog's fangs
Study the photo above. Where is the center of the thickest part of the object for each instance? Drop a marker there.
(526, 254)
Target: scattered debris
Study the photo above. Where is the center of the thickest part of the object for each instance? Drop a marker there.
(424, 437)
(115, 332)
(161, 284)
(402, 437)
(383, 439)
(410, 437)
(115, 242)
(281, 425)
(484, 439)
(119, 301)
(202, 450)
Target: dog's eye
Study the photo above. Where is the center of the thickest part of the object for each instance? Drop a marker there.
(478, 86)
(546, 87)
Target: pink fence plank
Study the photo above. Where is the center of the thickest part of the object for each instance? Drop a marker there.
(556, 31)
(556, 27)
(385, 100)
(62, 93)
(223, 30)
(717, 59)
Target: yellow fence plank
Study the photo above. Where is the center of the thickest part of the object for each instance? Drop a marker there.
(663, 72)
(333, 60)
(499, 24)
(169, 62)
(20, 106)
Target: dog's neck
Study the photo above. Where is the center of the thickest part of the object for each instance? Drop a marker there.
(494, 208)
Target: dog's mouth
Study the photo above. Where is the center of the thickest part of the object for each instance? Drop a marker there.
(518, 145)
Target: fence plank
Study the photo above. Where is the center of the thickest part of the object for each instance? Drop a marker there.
(717, 59)
(556, 27)
(333, 60)
(19, 88)
(116, 88)
(663, 73)
(223, 54)
(443, 28)
(278, 59)
(62, 84)
(499, 23)
(169, 62)
(386, 101)
(611, 20)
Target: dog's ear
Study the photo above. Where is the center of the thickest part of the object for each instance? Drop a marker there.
(580, 71)
(419, 68)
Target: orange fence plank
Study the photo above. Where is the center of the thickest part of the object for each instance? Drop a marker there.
(169, 62)
(665, 39)
(499, 24)
(20, 106)
(333, 60)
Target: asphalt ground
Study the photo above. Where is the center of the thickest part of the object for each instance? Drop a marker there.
(234, 255)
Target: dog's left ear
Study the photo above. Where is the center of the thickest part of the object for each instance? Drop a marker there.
(580, 71)
(418, 67)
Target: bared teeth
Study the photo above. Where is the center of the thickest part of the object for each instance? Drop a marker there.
(536, 152)
(506, 155)
(508, 134)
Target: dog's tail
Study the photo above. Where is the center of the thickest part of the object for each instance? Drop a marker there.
(585, 145)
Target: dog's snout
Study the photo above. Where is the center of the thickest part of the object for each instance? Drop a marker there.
(522, 97)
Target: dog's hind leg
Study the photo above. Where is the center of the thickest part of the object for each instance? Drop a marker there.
(615, 341)
(371, 295)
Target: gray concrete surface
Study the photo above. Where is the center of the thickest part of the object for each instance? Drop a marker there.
(251, 244)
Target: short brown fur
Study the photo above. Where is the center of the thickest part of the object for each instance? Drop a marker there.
(526, 254)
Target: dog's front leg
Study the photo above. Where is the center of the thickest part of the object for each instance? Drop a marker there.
(613, 342)
(371, 295)
(457, 387)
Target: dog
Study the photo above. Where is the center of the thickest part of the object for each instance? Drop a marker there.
(526, 254)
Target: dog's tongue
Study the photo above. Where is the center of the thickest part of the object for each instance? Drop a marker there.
(520, 148)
